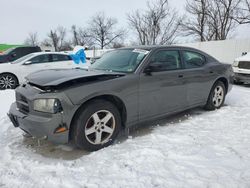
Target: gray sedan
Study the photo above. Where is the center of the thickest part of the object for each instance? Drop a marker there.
(125, 87)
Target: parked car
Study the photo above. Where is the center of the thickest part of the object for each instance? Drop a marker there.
(125, 87)
(13, 54)
(12, 74)
(241, 69)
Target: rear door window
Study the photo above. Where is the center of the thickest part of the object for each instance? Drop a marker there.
(167, 60)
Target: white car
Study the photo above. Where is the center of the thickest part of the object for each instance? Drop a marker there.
(241, 68)
(13, 74)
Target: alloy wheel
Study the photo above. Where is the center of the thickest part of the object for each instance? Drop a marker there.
(100, 127)
(218, 96)
(7, 82)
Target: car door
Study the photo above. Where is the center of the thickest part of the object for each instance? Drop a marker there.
(162, 89)
(14, 54)
(198, 77)
(20, 52)
(39, 62)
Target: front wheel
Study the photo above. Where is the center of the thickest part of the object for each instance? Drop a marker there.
(8, 81)
(216, 97)
(96, 126)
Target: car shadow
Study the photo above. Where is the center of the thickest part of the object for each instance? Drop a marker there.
(50, 150)
(247, 85)
(147, 128)
(70, 152)
(243, 85)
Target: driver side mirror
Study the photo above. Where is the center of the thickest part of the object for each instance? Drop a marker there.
(27, 63)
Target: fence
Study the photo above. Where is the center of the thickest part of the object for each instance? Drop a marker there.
(225, 51)
(96, 53)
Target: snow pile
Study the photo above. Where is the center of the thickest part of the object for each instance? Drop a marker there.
(193, 149)
(6, 99)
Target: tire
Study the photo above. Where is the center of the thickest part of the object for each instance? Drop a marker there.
(8, 81)
(91, 131)
(216, 97)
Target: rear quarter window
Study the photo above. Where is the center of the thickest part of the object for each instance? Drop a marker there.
(59, 57)
(193, 59)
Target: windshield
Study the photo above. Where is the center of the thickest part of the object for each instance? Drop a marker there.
(123, 60)
(24, 58)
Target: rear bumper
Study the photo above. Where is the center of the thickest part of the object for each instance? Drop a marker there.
(39, 127)
(239, 77)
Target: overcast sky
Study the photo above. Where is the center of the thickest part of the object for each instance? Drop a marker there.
(20, 17)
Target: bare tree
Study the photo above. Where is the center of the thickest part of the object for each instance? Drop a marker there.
(118, 44)
(213, 19)
(53, 37)
(198, 22)
(81, 37)
(103, 30)
(57, 39)
(223, 14)
(156, 25)
(75, 35)
(244, 13)
(46, 42)
(32, 39)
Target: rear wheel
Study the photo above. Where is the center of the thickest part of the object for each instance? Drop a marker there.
(216, 97)
(96, 126)
(8, 81)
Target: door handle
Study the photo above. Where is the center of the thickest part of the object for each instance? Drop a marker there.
(211, 72)
(180, 76)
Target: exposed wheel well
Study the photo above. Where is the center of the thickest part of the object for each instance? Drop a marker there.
(111, 98)
(224, 81)
(12, 75)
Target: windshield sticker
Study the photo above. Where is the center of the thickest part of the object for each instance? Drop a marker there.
(141, 51)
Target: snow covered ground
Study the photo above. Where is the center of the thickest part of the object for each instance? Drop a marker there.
(192, 149)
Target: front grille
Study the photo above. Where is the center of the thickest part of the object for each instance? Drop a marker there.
(244, 65)
(22, 103)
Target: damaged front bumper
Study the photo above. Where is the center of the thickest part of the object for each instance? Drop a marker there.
(39, 127)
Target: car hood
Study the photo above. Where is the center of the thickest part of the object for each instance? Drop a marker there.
(243, 58)
(68, 77)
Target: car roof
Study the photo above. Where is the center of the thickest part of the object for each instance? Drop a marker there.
(153, 47)
(43, 53)
(27, 47)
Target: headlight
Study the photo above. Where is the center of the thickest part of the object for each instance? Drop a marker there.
(47, 105)
(235, 64)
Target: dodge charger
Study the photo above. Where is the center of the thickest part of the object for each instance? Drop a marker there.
(125, 87)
